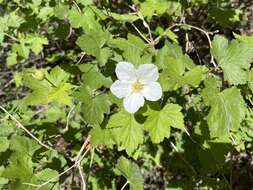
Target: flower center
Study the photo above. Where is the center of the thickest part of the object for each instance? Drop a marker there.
(137, 86)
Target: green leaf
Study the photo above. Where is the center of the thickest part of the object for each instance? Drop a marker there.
(124, 17)
(87, 20)
(60, 94)
(225, 16)
(250, 80)
(40, 90)
(21, 49)
(245, 39)
(34, 42)
(37, 44)
(159, 122)
(4, 144)
(227, 109)
(233, 58)
(57, 76)
(178, 69)
(86, 2)
(91, 72)
(195, 76)
(61, 11)
(92, 45)
(20, 168)
(45, 12)
(52, 88)
(126, 131)
(6, 129)
(3, 180)
(23, 145)
(131, 172)
(13, 20)
(133, 48)
(101, 136)
(12, 59)
(75, 18)
(45, 175)
(94, 106)
(171, 35)
(149, 7)
(172, 51)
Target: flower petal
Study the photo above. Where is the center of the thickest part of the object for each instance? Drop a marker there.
(125, 71)
(120, 88)
(133, 102)
(147, 73)
(152, 91)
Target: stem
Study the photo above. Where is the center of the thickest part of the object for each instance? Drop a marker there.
(26, 130)
(78, 8)
(82, 177)
(91, 162)
(68, 117)
(77, 163)
(196, 28)
(52, 179)
(82, 148)
(124, 185)
(141, 34)
(12, 37)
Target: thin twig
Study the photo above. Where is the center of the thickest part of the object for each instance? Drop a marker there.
(54, 178)
(248, 98)
(82, 177)
(149, 30)
(141, 34)
(88, 149)
(196, 28)
(78, 8)
(27, 131)
(86, 142)
(232, 138)
(80, 59)
(124, 185)
(73, 166)
(91, 161)
(8, 83)
(12, 37)
(31, 184)
(68, 117)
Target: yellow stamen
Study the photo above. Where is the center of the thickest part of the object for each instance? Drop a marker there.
(137, 86)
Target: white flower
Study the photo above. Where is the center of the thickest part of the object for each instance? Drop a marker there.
(136, 84)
